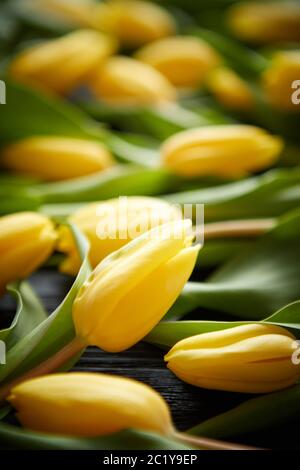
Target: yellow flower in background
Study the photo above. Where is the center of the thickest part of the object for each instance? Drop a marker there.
(135, 22)
(266, 21)
(132, 289)
(278, 79)
(254, 358)
(111, 224)
(54, 158)
(183, 60)
(230, 89)
(229, 151)
(27, 239)
(89, 404)
(62, 64)
(75, 12)
(125, 81)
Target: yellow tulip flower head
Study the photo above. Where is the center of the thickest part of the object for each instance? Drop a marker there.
(278, 80)
(26, 240)
(229, 89)
(89, 404)
(132, 289)
(228, 151)
(125, 81)
(74, 12)
(183, 60)
(264, 22)
(60, 65)
(135, 22)
(54, 158)
(253, 358)
(111, 224)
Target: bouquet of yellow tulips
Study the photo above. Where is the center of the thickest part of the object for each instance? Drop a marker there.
(150, 178)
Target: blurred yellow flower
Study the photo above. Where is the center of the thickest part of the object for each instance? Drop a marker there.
(264, 22)
(109, 225)
(135, 22)
(184, 60)
(132, 289)
(278, 80)
(27, 239)
(125, 81)
(228, 151)
(60, 65)
(89, 404)
(254, 358)
(53, 158)
(230, 89)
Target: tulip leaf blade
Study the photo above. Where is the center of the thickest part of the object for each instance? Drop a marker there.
(29, 313)
(51, 334)
(17, 438)
(257, 413)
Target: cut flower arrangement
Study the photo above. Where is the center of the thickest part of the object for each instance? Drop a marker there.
(120, 115)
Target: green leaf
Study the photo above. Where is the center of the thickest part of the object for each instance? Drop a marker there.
(29, 314)
(258, 413)
(267, 195)
(166, 334)
(54, 332)
(125, 180)
(44, 115)
(12, 437)
(253, 284)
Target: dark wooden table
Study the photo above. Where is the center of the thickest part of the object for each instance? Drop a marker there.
(190, 405)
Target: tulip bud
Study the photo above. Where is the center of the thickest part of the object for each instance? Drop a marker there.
(278, 79)
(53, 158)
(266, 21)
(74, 12)
(132, 289)
(89, 404)
(122, 80)
(253, 358)
(62, 64)
(183, 60)
(135, 22)
(26, 241)
(228, 151)
(111, 224)
(229, 89)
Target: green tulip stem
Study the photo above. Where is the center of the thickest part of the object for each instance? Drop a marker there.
(52, 364)
(204, 443)
(238, 228)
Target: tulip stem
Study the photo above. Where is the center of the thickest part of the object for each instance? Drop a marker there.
(238, 228)
(205, 443)
(51, 364)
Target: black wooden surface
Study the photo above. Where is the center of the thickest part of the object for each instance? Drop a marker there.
(189, 405)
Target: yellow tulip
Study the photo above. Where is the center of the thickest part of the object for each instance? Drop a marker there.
(254, 358)
(110, 225)
(228, 151)
(60, 65)
(89, 404)
(132, 289)
(183, 60)
(135, 22)
(266, 21)
(56, 158)
(229, 89)
(278, 79)
(76, 12)
(126, 81)
(26, 240)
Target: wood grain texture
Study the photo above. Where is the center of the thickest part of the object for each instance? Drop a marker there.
(190, 405)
